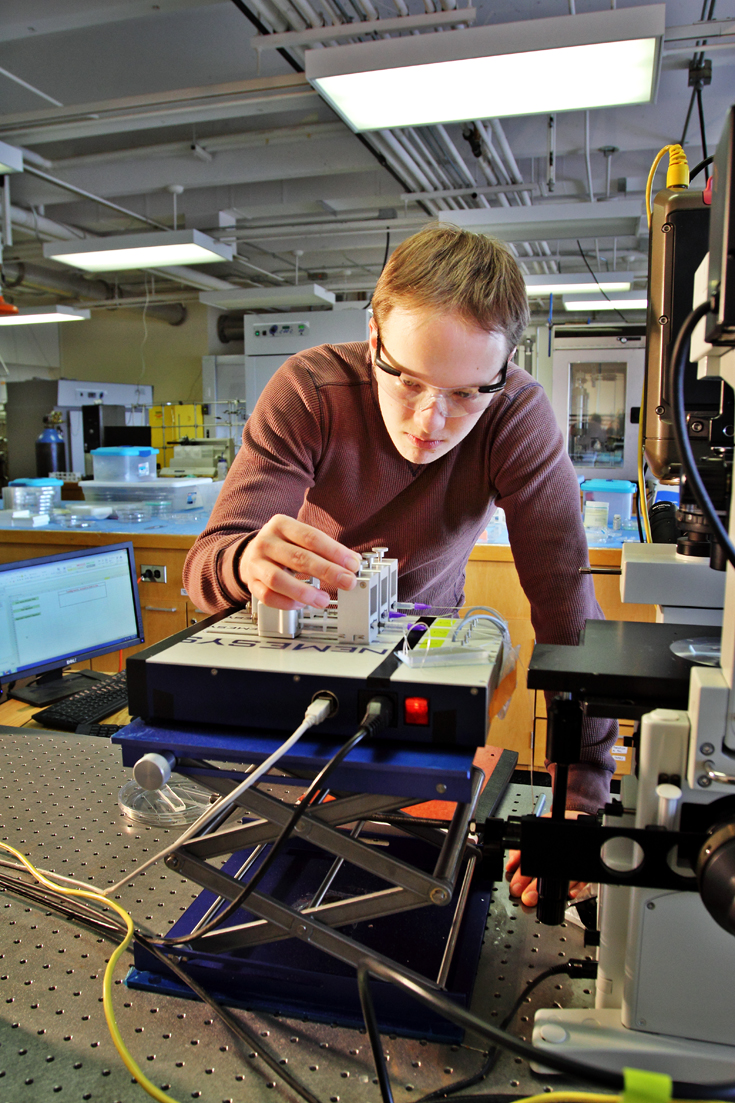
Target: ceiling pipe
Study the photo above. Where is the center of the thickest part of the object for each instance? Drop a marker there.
(517, 178)
(461, 165)
(391, 141)
(44, 279)
(95, 198)
(406, 140)
(426, 157)
(43, 228)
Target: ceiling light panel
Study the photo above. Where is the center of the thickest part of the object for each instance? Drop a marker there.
(633, 301)
(127, 251)
(569, 63)
(265, 298)
(28, 316)
(11, 159)
(584, 283)
(554, 221)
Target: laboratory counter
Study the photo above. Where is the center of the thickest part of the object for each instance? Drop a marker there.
(491, 580)
(60, 802)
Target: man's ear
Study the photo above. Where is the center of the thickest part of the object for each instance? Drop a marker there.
(512, 354)
(373, 335)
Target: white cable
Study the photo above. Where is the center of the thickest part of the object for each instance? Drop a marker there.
(317, 712)
(484, 612)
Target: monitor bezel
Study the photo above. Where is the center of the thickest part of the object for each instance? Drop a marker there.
(61, 662)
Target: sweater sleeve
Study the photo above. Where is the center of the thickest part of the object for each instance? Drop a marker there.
(271, 474)
(538, 489)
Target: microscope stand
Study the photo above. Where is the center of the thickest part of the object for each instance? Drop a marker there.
(597, 1036)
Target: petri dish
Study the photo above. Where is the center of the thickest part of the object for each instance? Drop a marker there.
(181, 802)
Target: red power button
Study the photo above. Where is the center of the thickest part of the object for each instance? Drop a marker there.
(416, 711)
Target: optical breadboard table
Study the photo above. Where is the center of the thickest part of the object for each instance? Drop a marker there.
(59, 801)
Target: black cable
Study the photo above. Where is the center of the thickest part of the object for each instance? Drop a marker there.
(679, 359)
(234, 1025)
(594, 277)
(689, 115)
(387, 250)
(376, 717)
(79, 913)
(703, 136)
(385, 261)
(700, 166)
(440, 1003)
(579, 1070)
(696, 61)
(262, 29)
(494, 1054)
(637, 492)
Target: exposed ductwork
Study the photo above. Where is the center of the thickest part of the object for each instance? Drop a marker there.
(19, 275)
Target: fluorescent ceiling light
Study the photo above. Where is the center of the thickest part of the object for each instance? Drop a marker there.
(264, 298)
(555, 221)
(565, 63)
(11, 159)
(29, 316)
(117, 254)
(632, 301)
(565, 285)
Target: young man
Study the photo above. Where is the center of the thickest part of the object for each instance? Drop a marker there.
(409, 441)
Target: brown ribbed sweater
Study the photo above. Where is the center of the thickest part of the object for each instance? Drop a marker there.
(316, 448)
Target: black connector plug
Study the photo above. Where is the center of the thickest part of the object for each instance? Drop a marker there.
(379, 715)
(582, 970)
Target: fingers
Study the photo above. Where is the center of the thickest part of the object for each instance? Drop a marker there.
(285, 548)
(308, 551)
(514, 860)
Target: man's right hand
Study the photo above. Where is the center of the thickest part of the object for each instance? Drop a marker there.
(285, 548)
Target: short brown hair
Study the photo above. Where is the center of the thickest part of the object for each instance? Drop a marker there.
(453, 269)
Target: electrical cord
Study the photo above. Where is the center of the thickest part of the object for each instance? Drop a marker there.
(377, 716)
(233, 1025)
(573, 967)
(702, 134)
(679, 360)
(318, 711)
(115, 956)
(89, 917)
(677, 175)
(440, 1003)
(702, 165)
(642, 497)
(641, 537)
(594, 277)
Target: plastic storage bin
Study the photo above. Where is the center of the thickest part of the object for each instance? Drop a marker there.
(618, 493)
(181, 493)
(126, 464)
(35, 495)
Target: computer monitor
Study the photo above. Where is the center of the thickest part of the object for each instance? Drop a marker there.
(61, 609)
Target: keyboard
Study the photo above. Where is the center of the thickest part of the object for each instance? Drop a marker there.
(104, 731)
(88, 706)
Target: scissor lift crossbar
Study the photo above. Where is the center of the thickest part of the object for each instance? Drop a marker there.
(409, 887)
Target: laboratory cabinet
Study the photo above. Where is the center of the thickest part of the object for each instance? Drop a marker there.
(492, 579)
(597, 387)
(232, 383)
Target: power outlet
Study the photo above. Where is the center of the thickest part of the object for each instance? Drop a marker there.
(150, 573)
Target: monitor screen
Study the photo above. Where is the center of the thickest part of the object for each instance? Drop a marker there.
(61, 609)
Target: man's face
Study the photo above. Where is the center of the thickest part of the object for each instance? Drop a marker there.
(440, 350)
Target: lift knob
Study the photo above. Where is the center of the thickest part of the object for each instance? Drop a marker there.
(153, 770)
